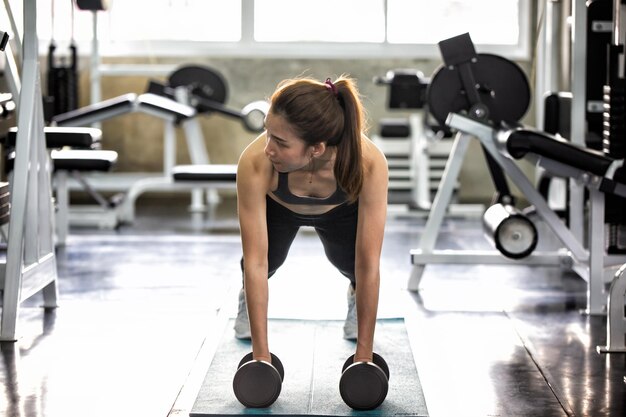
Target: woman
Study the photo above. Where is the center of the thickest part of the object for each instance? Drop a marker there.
(312, 166)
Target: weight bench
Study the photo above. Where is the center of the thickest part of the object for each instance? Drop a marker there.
(174, 114)
(72, 162)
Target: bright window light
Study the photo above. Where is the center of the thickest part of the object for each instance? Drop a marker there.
(283, 28)
(319, 21)
(146, 20)
(494, 22)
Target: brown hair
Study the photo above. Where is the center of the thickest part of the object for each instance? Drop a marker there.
(330, 112)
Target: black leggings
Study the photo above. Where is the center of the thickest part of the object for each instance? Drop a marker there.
(336, 229)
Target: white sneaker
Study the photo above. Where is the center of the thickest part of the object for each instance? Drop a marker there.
(350, 326)
(242, 324)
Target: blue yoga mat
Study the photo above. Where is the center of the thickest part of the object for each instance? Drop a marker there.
(313, 353)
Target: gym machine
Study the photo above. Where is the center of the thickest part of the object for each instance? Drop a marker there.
(405, 142)
(190, 92)
(415, 147)
(30, 266)
(62, 76)
(73, 150)
(611, 127)
(484, 96)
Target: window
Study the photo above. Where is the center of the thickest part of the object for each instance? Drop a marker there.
(292, 28)
(427, 21)
(145, 20)
(321, 21)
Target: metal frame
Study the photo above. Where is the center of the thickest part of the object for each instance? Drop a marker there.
(591, 264)
(616, 320)
(31, 262)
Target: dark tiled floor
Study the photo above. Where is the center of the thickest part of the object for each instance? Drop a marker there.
(140, 308)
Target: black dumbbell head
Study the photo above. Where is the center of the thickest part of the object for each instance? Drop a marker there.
(257, 384)
(363, 386)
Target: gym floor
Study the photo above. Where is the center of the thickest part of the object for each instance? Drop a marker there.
(139, 305)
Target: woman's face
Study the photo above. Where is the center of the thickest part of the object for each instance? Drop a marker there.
(283, 147)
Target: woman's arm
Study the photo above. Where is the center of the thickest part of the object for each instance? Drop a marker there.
(252, 185)
(369, 240)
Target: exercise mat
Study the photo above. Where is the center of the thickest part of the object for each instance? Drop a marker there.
(313, 353)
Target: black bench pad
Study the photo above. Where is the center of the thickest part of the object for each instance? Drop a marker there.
(83, 160)
(205, 173)
(522, 141)
(59, 137)
(395, 128)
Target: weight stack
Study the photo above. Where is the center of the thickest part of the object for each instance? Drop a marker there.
(614, 145)
(62, 81)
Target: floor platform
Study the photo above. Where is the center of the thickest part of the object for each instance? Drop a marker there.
(142, 308)
(313, 353)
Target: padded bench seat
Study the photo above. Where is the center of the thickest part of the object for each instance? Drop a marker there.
(83, 160)
(59, 137)
(76, 160)
(205, 173)
(395, 128)
(612, 172)
(519, 142)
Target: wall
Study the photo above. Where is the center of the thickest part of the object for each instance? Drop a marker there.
(138, 137)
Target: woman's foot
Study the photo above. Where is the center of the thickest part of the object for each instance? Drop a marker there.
(350, 326)
(242, 324)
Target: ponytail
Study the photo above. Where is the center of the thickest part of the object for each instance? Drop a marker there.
(349, 164)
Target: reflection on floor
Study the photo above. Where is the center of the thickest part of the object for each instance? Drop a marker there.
(138, 305)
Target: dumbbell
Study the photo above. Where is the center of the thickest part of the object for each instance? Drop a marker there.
(364, 385)
(257, 384)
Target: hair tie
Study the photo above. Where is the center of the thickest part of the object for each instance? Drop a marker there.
(331, 87)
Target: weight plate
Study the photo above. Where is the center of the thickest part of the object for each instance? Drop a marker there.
(363, 386)
(257, 384)
(253, 115)
(502, 87)
(202, 81)
(516, 237)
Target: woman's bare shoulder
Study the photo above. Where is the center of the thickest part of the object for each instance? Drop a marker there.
(253, 164)
(372, 155)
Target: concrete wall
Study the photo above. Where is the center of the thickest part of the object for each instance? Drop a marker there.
(138, 137)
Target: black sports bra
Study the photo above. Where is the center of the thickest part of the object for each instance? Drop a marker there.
(283, 192)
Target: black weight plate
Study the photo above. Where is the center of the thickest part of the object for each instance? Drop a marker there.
(503, 89)
(363, 386)
(257, 384)
(202, 81)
